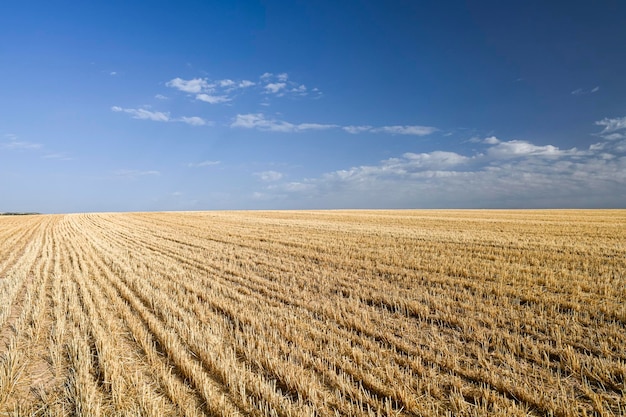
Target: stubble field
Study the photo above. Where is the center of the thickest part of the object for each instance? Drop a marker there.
(328, 313)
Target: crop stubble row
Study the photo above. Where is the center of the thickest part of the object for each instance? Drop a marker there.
(314, 313)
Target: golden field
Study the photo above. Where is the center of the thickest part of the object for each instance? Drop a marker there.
(314, 313)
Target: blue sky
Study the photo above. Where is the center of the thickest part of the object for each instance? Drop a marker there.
(195, 105)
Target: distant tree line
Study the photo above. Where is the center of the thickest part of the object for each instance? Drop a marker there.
(18, 214)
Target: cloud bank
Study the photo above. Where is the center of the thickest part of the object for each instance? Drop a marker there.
(498, 174)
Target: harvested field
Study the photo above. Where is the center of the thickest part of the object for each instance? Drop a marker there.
(327, 313)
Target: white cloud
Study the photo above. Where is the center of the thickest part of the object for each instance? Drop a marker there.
(212, 99)
(143, 114)
(113, 73)
(492, 140)
(434, 160)
(62, 156)
(160, 97)
(275, 87)
(520, 148)
(394, 130)
(580, 91)
(226, 83)
(14, 144)
(612, 125)
(158, 116)
(314, 126)
(597, 146)
(227, 89)
(296, 187)
(357, 129)
(258, 121)
(203, 164)
(250, 121)
(281, 86)
(269, 176)
(615, 136)
(406, 130)
(212, 92)
(620, 147)
(193, 86)
(194, 120)
(299, 90)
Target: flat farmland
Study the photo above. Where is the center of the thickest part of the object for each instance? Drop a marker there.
(314, 313)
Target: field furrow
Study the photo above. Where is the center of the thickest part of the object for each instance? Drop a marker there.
(325, 313)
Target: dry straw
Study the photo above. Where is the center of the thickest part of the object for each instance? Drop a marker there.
(329, 313)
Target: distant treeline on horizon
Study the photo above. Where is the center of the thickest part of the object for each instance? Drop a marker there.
(18, 214)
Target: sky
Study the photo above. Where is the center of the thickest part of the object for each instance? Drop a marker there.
(203, 105)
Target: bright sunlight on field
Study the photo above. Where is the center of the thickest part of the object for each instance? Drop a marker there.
(347, 313)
